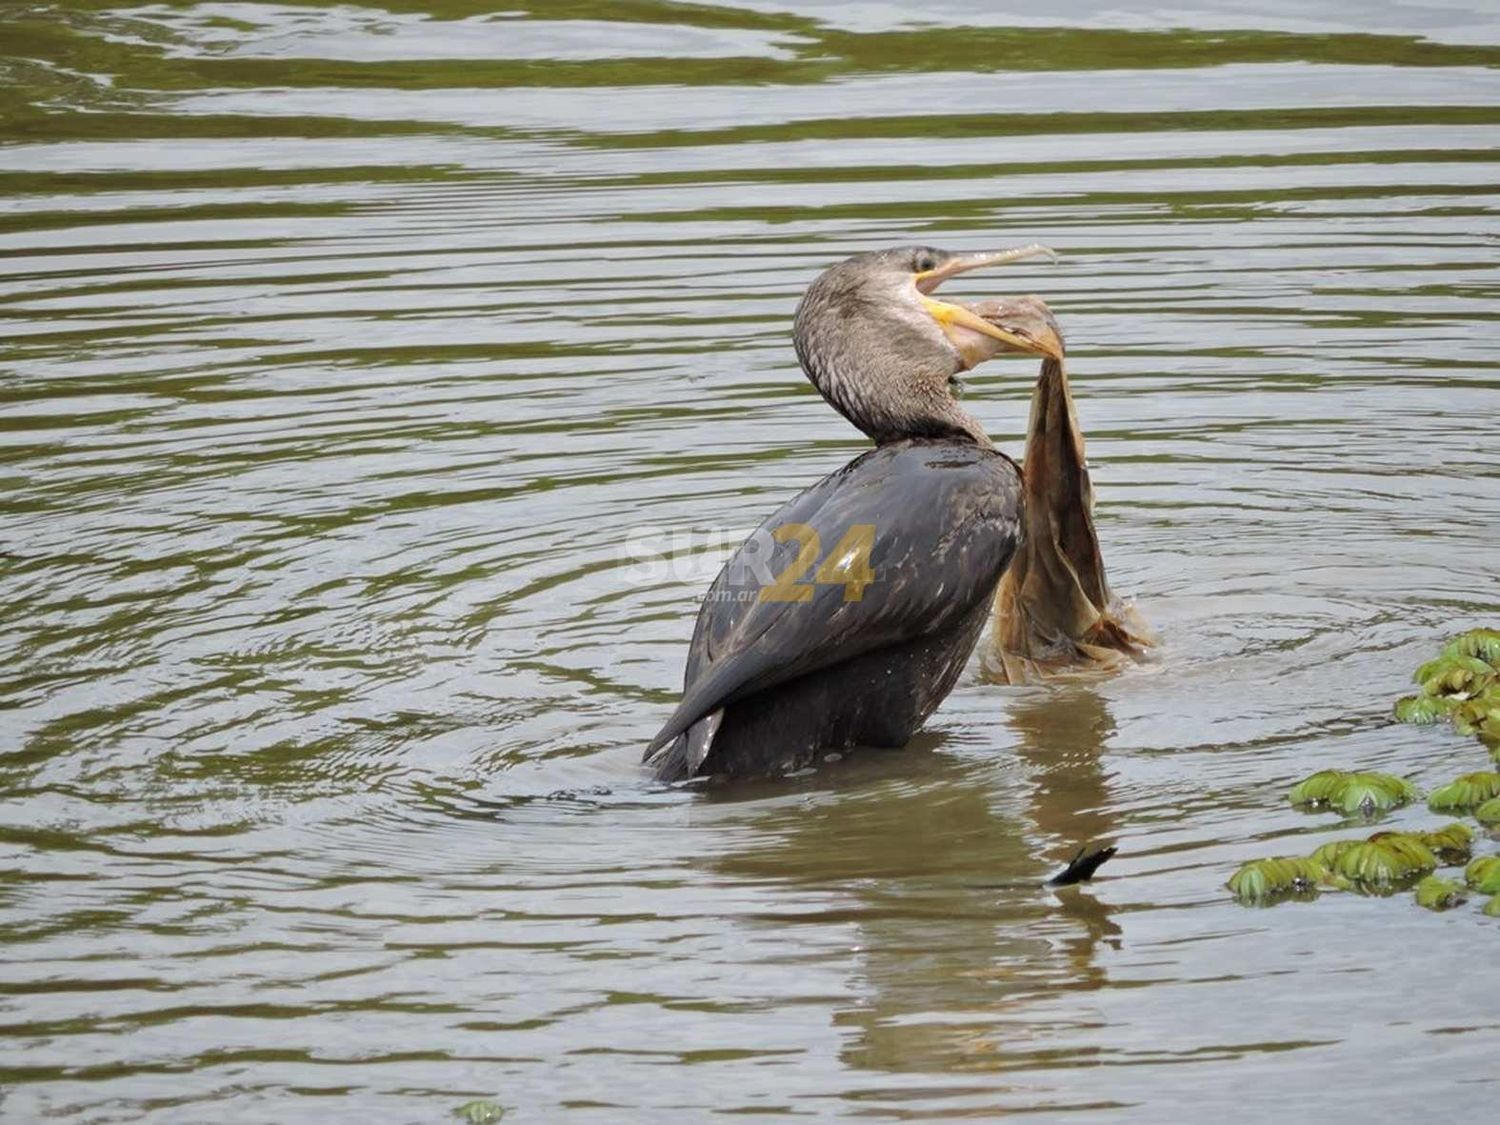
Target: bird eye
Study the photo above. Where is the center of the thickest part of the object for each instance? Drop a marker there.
(924, 262)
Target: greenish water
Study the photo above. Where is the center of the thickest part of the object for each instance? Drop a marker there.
(353, 360)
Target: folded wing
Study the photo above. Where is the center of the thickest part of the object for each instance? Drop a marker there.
(902, 542)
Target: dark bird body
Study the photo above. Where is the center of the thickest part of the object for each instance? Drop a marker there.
(770, 682)
(850, 613)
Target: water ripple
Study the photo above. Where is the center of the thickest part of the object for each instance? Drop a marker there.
(381, 386)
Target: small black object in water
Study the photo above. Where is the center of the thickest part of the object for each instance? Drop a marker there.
(1081, 868)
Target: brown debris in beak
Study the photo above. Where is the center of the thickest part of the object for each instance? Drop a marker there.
(1054, 611)
(1025, 326)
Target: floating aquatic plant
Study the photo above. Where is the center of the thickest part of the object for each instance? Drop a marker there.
(1263, 879)
(1462, 686)
(1437, 893)
(1408, 845)
(1349, 793)
(1488, 814)
(1423, 710)
(1452, 843)
(1480, 715)
(1392, 857)
(1386, 861)
(1327, 855)
(1454, 672)
(1370, 792)
(1483, 643)
(1370, 865)
(1467, 792)
(1484, 874)
(1381, 864)
(1318, 788)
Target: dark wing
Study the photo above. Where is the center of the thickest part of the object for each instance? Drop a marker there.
(945, 519)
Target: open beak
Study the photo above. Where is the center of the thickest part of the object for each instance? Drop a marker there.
(981, 331)
(990, 328)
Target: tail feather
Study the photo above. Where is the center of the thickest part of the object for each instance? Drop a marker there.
(681, 758)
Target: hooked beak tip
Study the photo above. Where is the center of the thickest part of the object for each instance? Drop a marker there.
(1017, 324)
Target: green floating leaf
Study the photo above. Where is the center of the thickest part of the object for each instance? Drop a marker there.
(1408, 846)
(1422, 710)
(1467, 792)
(480, 1112)
(1484, 874)
(1461, 685)
(1430, 672)
(1385, 861)
(1365, 792)
(1368, 793)
(1492, 908)
(1477, 714)
(1327, 856)
(1483, 643)
(1261, 880)
(1488, 726)
(1488, 814)
(1317, 789)
(1452, 673)
(1452, 843)
(1437, 893)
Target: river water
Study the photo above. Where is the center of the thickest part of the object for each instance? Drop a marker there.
(379, 386)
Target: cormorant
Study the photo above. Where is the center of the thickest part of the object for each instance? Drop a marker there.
(847, 617)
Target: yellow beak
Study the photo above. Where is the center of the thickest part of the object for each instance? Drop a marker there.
(959, 324)
(1025, 334)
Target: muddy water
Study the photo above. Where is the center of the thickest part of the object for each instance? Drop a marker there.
(379, 386)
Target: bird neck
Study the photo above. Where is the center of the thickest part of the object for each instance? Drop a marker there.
(889, 406)
(966, 427)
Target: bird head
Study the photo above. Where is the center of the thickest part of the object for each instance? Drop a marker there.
(885, 352)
